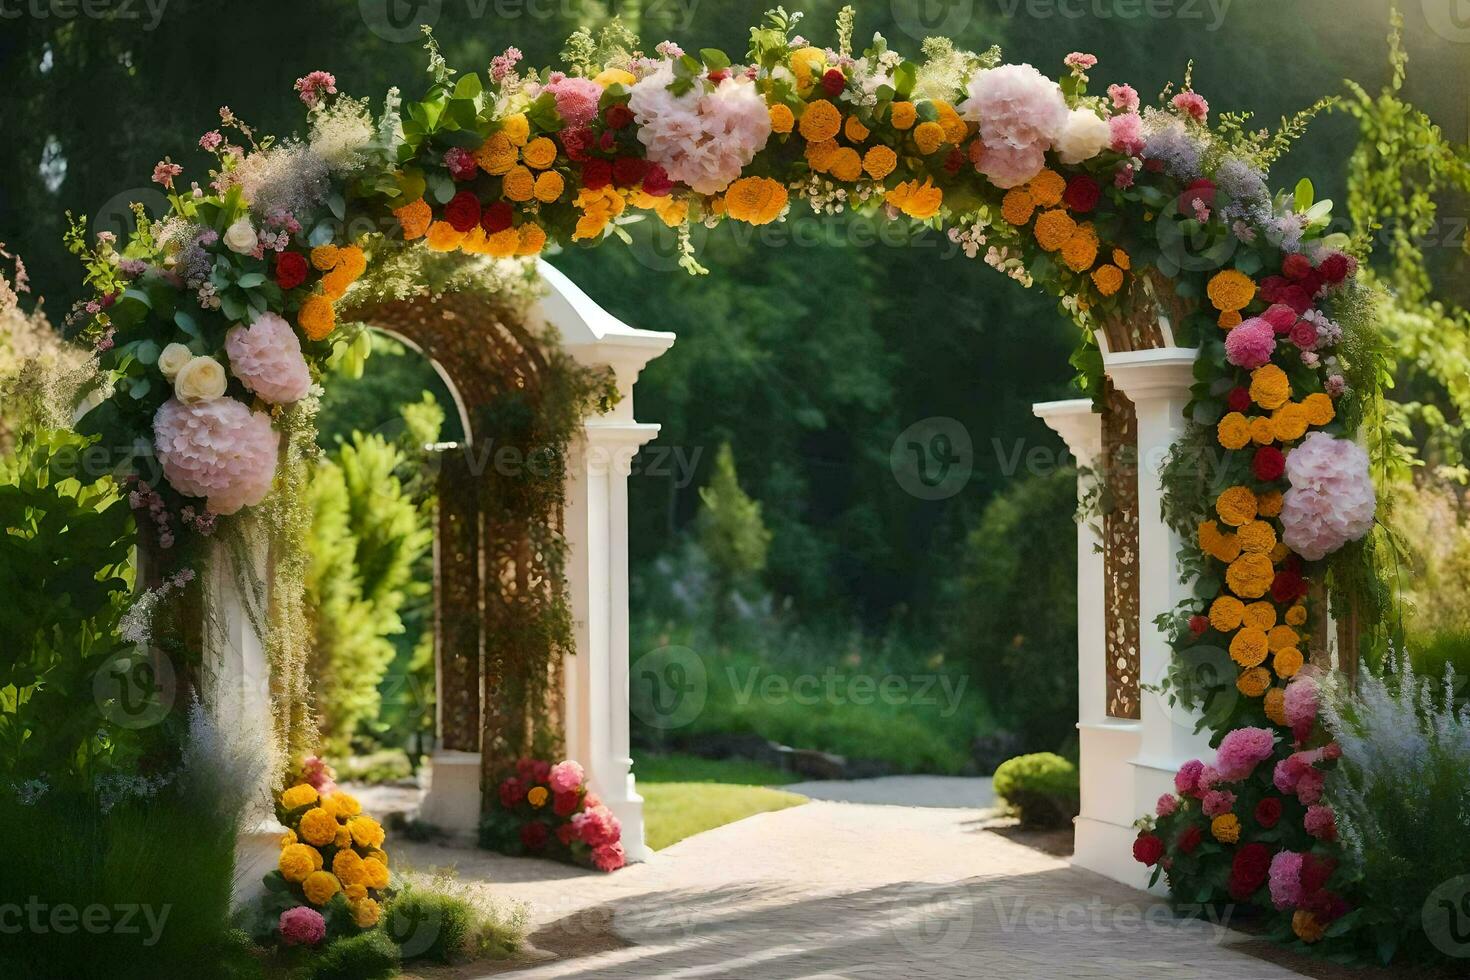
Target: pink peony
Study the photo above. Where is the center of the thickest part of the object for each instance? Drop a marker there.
(1321, 822)
(608, 857)
(1186, 780)
(1310, 786)
(1242, 750)
(217, 449)
(1127, 133)
(1331, 501)
(1192, 104)
(1250, 344)
(700, 138)
(576, 98)
(1021, 113)
(566, 777)
(1208, 777)
(1286, 879)
(596, 826)
(1217, 802)
(302, 926)
(1125, 97)
(266, 356)
(1300, 704)
(1168, 805)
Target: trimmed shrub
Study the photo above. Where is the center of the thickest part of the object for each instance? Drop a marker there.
(1041, 788)
(443, 921)
(367, 956)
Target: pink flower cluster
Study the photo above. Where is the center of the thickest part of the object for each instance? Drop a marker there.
(576, 98)
(313, 86)
(1250, 344)
(601, 831)
(267, 357)
(1297, 774)
(302, 926)
(701, 139)
(217, 449)
(1331, 501)
(1241, 751)
(1021, 113)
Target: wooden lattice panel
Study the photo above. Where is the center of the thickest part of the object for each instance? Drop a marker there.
(458, 639)
(1120, 552)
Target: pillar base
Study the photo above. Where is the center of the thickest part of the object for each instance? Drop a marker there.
(452, 802)
(257, 853)
(627, 806)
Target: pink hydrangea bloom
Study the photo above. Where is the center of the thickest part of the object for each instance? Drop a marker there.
(1286, 879)
(217, 449)
(1186, 780)
(1250, 344)
(1331, 501)
(596, 826)
(702, 139)
(266, 356)
(576, 98)
(1321, 822)
(566, 777)
(1021, 113)
(1193, 105)
(1217, 802)
(608, 857)
(302, 926)
(1168, 805)
(1124, 97)
(1242, 750)
(1127, 133)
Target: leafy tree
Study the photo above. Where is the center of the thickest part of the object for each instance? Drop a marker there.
(734, 537)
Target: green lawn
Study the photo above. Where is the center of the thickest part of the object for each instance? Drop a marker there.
(684, 795)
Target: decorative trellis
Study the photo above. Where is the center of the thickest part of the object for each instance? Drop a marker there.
(1120, 552)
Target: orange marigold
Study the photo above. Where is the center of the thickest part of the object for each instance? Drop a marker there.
(1121, 259)
(549, 185)
(1274, 704)
(854, 130)
(317, 319)
(1270, 388)
(1259, 615)
(1236, 505)
(1230, 289)
(1233, 431)
(917, 200)
(1268, 504)
(928, 137)
(1308, 928)
(1046, 188)
(1081, 249)
(442, 237)
(902, 115)
(819, 155)
(879, 162)
(1253, 683)
(324, 257)
(520, 184)
(1108, 278)
(504, 243)
(1250, 576)
(1226, 613)
(783, 120)
(1226, 828)
(516, 128)
(756, 200)
(540, 153)
(821, 121)
(846, 165)
(1248, 647)
(1282, 637)
(1016, 207)
(1296, 615)
(1222, 547)
(1263, 433)
(1319, 408)
(1230, 319)
(1289, 422)
(497, 154)
(1054, 229)
(1257, 537)
(335, 283)
(1287, 662)
(353, 259)
(532, 239)
(414, 219)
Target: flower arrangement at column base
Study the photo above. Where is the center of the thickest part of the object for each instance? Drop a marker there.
(547, 810)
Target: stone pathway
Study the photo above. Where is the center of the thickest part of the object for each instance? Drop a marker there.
(966, 792)
(856, 891)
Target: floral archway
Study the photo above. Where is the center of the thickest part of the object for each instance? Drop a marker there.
(1154, 226)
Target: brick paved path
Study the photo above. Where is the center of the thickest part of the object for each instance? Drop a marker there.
(837, 890)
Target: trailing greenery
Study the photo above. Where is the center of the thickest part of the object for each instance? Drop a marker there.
(441, 920)
(1041, 788)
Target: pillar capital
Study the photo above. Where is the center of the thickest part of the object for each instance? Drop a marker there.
(1162, 372)
(1079, 426)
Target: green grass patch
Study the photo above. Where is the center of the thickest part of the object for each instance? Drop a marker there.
(674, 811)
(692, 769)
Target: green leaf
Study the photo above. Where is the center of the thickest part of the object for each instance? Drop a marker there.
(468, 86)
(140, 388)
(904, 78)
(337, 205)
(250, 280)
(714, 59)
(185, 322)
(147, 352)
(1302, 196)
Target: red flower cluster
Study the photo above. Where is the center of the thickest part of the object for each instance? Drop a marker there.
(549, 810)
(291, 269)
(1248, 870)
(1082, 193)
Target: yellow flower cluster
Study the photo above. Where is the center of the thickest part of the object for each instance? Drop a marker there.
(331, 848)
(599, 207)
(756, 200)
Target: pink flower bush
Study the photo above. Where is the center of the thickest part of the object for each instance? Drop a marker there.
(1124, 98)
(576, 98)
(1021, 113)
(317, 773)
(1250, 344)
(701, 139)
(1241, 751)
(1331, 501)
(302, 926)
(266, 356)
(315, 85)
(217, 449)
(1299, 704)
(566, 777)
(1286, 879)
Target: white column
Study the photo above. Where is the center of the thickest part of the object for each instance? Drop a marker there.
(1106, 746)
(597, 578)
(1157, 382)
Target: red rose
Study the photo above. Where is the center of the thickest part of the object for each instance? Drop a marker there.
(1296, 297)
(1147, 849)
(1268, 464)
(656, 181)
(497, 217)
(533, 770)
(833, 82)
(1198, 624)
(1271, 288)
(512, 791)
(1281, 317)
(1316, 871)
(607, 140)
(565, 804)
(1190, 839)
(1239, 399)
(954, 161)
(1268, 811)
(566, 833)
(534, 835)
(718, 75)
(576, 140)
(1248, 870)
(618, 116)
(1081, 194)
(463, 211)
(629, 171)
(290, 269)
(1296, 266)
(1334, 268)
(596, 174)
(1202, 190)
(1288, 586)
(1304, 334)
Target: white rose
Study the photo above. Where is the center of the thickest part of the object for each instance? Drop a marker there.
(202, 379)
(1083, 137)
(173, 359)
(240, 237)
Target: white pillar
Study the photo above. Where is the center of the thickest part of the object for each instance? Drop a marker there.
(1157, 382)
(1106, 746)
